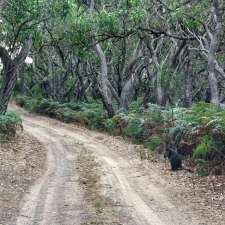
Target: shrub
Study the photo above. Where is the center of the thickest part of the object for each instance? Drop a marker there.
(179, 114)
(92, 114)
(154, 142)
(73, 106)
(32, 105)
(134, 128)
(203, 112)
(21, 100)
(156, 114)
(89, 114)
(64, 114)
(205, 147)
(181, 130)
(9, 124)
(110, 126)
(136, 107)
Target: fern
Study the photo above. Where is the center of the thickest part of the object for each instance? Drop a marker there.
(9, 124)
(205, 147)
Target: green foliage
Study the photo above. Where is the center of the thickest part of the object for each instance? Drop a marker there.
(110, 126)
(203, 112)
(194, 126)
(180, 130)
(136, 107)
(89, 114)
(21, 19)
(108, 21)
(205, 147)
(156, 114)
(117, 124)
(46, 107)
(73, 106)
(190, 15)
(134, 128)
(63, 113)
(137, 13)
(153, 143)
(180, 113)
(32, 104)
(129, 125)
(207, 118)
(21, 100)
(9, 124)
(80, 29)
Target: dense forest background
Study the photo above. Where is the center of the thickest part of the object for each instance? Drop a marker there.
(150, 70)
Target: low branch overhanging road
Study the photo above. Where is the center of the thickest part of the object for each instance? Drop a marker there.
(92, 178)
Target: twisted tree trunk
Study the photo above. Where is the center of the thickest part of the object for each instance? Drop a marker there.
(11, 68)
(103, 82)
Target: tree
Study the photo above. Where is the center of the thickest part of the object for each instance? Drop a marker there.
(165, 52)
(18, 33)
(11, 68)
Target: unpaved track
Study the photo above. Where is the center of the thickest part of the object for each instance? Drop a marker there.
(58, 197)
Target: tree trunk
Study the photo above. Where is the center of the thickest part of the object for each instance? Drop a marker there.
(9, 81)
(159, 90)
(129, 89)
(103, 82)
(213, 83)
(188, 86)
(214, 44)
(127, 92)
(11, 69)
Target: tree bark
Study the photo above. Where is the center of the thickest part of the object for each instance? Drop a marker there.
(11, 69)
(188, 85)
(159, 90)
(130, 87)
(103, 82)
(213, 83)
(214, 43)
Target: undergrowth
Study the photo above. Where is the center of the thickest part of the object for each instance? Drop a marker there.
(9, 123)
(198, 133)
(90, 114)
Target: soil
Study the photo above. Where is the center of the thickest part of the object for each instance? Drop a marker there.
(22, 161)
(94, 178)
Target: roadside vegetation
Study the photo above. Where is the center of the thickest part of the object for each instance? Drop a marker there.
(197, 133)
(9, 124)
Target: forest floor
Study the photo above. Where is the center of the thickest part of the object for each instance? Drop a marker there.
(94, 178)
(21, 163)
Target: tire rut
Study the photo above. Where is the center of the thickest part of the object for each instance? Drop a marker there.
(58, 198)
(46, 201)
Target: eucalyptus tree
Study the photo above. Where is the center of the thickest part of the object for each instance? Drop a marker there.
(15, 44)
(19, 27)
(210, 40)
(204, 22)
(114, 39)
(24, 25)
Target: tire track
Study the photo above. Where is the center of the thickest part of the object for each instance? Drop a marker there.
(58, 199)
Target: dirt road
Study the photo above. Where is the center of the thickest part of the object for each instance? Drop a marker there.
(92, 178)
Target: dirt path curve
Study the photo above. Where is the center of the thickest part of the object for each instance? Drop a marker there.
(121, 191)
